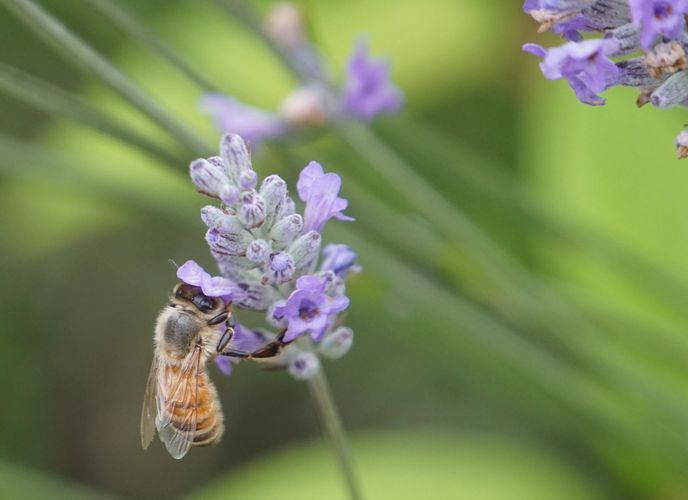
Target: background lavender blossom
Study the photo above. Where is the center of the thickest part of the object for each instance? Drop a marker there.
(657, 27)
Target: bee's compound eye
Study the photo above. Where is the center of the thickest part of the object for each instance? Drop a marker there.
(203, 303)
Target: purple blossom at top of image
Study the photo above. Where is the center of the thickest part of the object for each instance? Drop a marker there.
(642, 45)
(366, 93)
(655, 18)
(269, 256)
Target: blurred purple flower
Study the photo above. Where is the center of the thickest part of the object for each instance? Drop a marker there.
(253, 124)
(368, 90)
(659, 17)
(319, 191)
(308, 308)
(339, 259)
(584, 64)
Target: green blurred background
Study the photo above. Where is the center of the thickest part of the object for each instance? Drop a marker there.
(571, 383)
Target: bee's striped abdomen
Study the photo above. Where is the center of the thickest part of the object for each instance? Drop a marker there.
(200, 397)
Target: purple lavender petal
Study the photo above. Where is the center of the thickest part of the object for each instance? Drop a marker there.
(584, 64)
(368, 90)
(217, 286)
(225, 365)
(656, 18)
(191, 273)
(319, 191)
(339, 259)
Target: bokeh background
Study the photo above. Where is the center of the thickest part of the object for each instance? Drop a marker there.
(541, 356)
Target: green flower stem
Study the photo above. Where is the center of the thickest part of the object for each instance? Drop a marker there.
(539, 299)
(51, 99)
(584, 395)
(490, 182)
(246, 13)
(116, 14)
(332, 424)
(58, 170)
(80, 53)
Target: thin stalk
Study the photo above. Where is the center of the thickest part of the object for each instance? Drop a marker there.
(81, 54)
(248, 16)
(51, 99)
(132, 26)
(332, 425)
(562, 319)
(487, 180)
(58, 170)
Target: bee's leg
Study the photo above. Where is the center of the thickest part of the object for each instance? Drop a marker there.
(223, 316)
(225, 339)
(228, 333)
(271, 349)
(234, 353)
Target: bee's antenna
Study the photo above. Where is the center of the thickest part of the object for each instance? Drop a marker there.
(173, 263)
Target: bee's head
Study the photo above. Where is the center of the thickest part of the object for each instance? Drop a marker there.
(186, 293)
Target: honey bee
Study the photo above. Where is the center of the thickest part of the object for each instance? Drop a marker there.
(180, 400)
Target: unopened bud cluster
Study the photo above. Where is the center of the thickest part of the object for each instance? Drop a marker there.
(269, 256)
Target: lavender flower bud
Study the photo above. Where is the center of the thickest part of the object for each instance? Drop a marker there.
(247, 180)
(287, 207)
(251, 210)
(254, 296)
(236, 267)
(628, 36)
(275, 321)
(284, 24)
(682, 145)
(208, 178)
(274, 191)
(212, 216)
(634, 73)
(286, 229)
(258, 251)
(217, 161)
(222, 222)
(337, 344)
(235, 156)
(280, 268)
(304, 365)
(305, 250)
(229, 195)
(673, 91)
(229, 243)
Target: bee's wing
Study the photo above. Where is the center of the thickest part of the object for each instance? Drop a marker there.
(177, 406)
(149, 409)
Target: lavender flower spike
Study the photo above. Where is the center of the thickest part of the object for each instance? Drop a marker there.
(656, 18)
(584, 64)
(269, 255)
(319, 191)
(368, 90)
